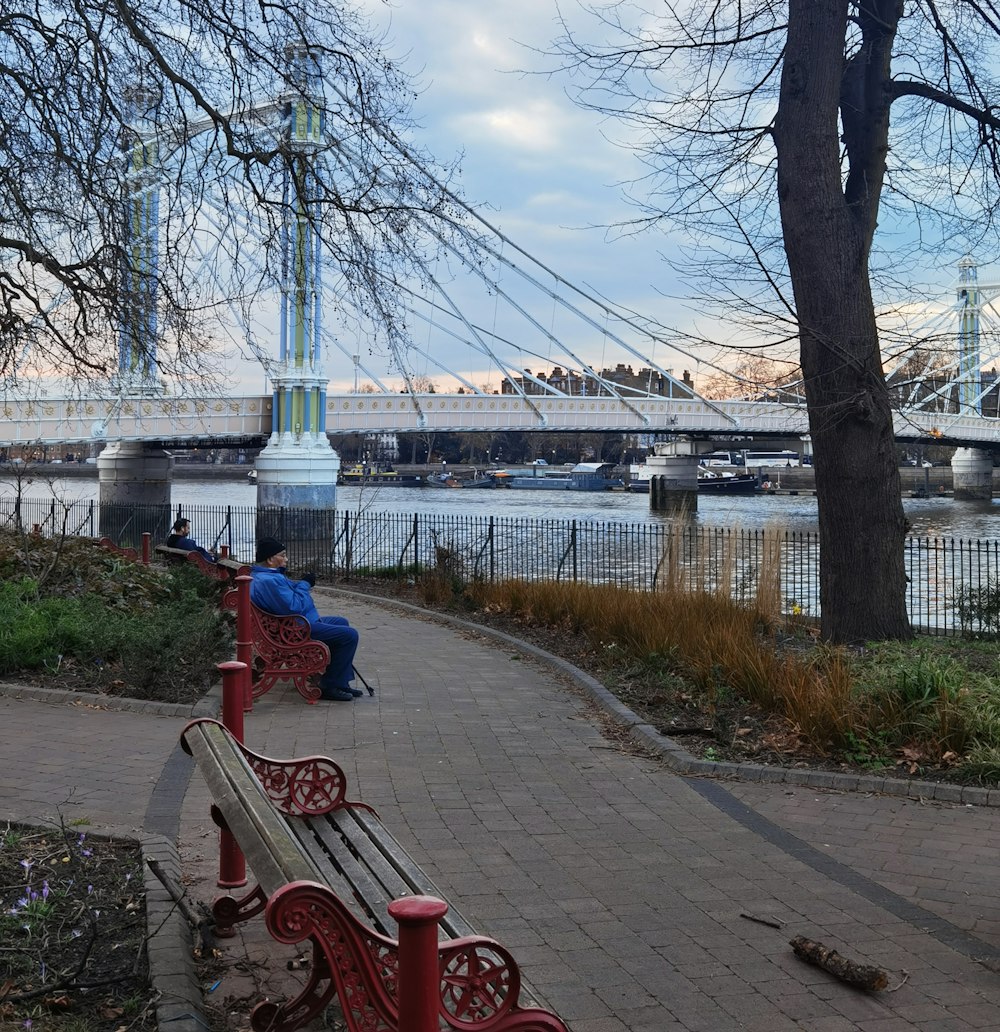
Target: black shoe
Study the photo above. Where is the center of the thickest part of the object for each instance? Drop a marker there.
(336, 695)
(356, 692)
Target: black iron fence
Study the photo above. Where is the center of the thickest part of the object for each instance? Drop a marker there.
(952, 581)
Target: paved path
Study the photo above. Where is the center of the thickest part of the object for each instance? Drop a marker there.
(618, 884)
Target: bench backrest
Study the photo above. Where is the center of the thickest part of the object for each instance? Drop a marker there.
(248, 812)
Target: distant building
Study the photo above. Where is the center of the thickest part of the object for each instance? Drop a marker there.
(577, 385)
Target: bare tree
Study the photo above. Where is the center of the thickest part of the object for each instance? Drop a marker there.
(754, 376)
(136, 138)
(765, 130)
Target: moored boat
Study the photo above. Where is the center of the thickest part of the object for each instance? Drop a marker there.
(710, 481)
(443, 480)
(368, 475)
(584, 476)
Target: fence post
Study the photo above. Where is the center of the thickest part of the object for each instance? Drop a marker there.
(244, 639)
(146, 537)
(419, 979)
(573, 541)
(232, 863)
(493, 552)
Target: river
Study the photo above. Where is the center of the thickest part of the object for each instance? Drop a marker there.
(930, 517)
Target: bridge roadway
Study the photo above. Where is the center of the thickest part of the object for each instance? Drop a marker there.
(177, 419)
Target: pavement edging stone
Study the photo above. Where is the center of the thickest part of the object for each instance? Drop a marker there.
(207, 706)
(677, 758)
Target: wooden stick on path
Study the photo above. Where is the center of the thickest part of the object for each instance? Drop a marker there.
(862, 975)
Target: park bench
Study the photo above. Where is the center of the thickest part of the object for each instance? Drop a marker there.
(223, 569)
(329, 873)
(279, 648)
(132, 554)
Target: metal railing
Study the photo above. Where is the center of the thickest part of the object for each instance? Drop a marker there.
(951, 580)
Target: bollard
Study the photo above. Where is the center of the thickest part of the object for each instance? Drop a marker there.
(244, 638)
(418, 984)
(146, 548)
(223, 551)
(232, 863)
(232, 697)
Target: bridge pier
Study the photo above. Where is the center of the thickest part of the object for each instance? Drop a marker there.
(675, 489)
(972, 474)
(130, 474)
(297, 496)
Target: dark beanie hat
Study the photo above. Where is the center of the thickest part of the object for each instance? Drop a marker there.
(267, 547)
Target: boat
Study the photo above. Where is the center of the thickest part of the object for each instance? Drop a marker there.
(724, 482)
(443, 480)
(584, 476)
(365, 474)
(252, 476)
(481, 480)
(710, 481)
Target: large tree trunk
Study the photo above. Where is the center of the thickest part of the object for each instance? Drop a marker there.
(827, 235)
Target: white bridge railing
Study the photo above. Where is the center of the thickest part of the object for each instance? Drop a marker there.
(54, 421)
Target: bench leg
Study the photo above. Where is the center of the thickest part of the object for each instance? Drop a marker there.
(315, 997)
(307, 686)
(229, 911)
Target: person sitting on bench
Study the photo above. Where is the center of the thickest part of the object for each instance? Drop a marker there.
(180, 537)
(275, 592)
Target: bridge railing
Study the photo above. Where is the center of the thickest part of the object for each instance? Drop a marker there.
(952, 581)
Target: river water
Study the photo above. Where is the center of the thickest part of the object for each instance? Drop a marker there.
(930, 517)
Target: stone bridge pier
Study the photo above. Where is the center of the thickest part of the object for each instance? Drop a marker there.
(673, 482)
(134, 492)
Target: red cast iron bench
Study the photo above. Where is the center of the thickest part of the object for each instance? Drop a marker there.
(223, 569)
(132, 554)
(280, 649)
(331, 875)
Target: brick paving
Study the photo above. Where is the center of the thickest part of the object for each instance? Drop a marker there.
(618, 883)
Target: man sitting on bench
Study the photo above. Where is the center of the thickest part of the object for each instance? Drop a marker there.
(180, 537)
(275, 592)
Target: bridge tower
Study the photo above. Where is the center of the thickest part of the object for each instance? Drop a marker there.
(298, 468)
(129, 473)
(972, 468)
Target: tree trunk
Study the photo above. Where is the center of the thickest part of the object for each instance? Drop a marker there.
(827, 242)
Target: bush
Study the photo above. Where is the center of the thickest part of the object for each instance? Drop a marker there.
(164, 650)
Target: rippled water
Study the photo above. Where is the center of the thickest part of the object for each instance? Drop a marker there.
(931, 517)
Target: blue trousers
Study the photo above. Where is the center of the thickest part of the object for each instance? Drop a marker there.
(343, 641)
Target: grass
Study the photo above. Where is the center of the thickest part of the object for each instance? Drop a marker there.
(95, 623)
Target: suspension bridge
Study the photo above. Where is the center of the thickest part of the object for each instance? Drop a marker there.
(518, 346)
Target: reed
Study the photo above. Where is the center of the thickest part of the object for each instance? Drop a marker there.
(832, 698)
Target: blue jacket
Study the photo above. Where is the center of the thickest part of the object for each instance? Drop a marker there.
(274, 592)
(189, 545)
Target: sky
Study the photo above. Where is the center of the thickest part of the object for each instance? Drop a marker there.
(541, 169)
(537, 166)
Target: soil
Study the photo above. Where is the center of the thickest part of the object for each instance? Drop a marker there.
(73, 929)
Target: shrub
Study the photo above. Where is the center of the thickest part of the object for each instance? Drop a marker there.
(164, 649)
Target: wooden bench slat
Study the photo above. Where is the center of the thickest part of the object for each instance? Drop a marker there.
(373, 895)
(391, 853)
(347, 881)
